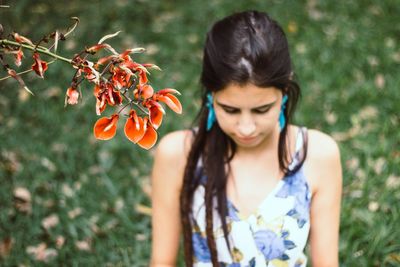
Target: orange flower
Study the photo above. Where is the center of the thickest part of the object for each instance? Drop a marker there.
(166, 96)
(22, 39)
(93, 49)
(105, 128)
(39, 66)
(121, 77)
(145, 91)
(106, 94)
(72, 96)
(140, 131)
(136, 67)
(156, 112)
(18, 57)
(150, 136)
(135, 127)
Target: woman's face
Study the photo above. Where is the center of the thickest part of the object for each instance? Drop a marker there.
(248, 114)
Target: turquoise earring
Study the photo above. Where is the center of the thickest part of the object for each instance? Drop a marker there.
(282, 119)
(211, 112)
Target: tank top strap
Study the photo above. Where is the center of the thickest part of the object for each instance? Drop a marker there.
(300, 138)
(301, 146)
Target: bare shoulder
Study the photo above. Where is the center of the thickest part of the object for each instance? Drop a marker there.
(175, 144)
(323, 160)
(322, 146)
(170, 157)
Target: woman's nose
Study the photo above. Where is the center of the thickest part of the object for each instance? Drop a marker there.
(246, 125)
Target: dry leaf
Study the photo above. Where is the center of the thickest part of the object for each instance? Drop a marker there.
(75, 212)
(393, 182)
(67, 190)
(353, 163)
(60, 241)
(378, 165)
(301, 48)
(368, 112)
(41, 252)
(143, 209)
(83, 245)
(292, 27)
(22, 200)
(50, 221)
(331, 118)
(373, 61)
(146, 186)
(379, 81)
(140, 237)
(119, 204)
(396, 57)
(48, 164)
(6, 246)
(373, 206)
(356, 194)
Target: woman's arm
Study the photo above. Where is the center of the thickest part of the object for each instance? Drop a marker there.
(167, 176)
(325, 207)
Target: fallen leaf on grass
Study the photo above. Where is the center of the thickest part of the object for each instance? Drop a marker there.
(331, 118)
(378, 165)
(373, 206)
(143, 209)
(83, 245)
(75, 212)
(6, 246)
(22, 200)
(60, 241)
(119, 204)
(41, 252)
(48, 164)
(353, 163)
(67, 190)
(146, 186)
(140, 237)
(380, 81)
(393, 182)
(50, 221)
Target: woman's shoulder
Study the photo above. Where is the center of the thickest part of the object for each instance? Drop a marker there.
(170, 160)
(323, 166)
(175, 144)
(322, 145)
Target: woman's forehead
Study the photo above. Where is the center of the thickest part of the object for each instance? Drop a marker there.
(248, 95)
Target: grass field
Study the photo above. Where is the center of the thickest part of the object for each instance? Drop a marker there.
(87, 201)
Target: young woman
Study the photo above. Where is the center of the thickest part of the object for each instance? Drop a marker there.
(245, 187)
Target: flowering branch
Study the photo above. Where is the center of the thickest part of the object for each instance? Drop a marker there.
(116, 77)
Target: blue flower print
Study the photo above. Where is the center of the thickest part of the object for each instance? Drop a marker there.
(235, 264)
(200, 247)
(232, 212)
(295, 185)
(273, 246)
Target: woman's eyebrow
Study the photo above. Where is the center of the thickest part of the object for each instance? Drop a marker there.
(259, 107)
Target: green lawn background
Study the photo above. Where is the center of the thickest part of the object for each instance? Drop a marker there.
(346, 56)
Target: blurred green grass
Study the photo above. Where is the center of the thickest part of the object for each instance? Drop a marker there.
(346, 55)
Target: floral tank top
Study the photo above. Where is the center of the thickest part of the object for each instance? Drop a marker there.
(274, 235)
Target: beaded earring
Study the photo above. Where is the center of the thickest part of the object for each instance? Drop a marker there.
(211, 112)
(282, 119)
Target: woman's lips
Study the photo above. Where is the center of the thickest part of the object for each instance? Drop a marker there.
(246, 139)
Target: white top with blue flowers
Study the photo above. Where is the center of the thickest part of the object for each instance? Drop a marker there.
(275, 235)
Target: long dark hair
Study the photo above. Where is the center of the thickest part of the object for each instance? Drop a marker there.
(247, 47)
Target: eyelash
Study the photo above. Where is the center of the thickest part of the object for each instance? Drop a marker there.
(236, 111)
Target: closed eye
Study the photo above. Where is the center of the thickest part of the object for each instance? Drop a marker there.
(261, 111)
(231, 110)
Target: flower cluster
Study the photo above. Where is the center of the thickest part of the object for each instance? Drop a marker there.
(116, 79)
